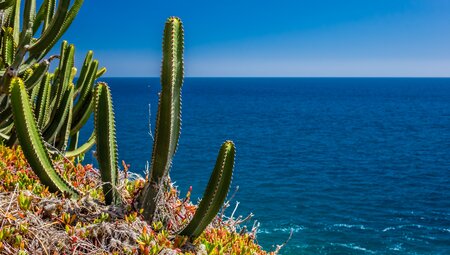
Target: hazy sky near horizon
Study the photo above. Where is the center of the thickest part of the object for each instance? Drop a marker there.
(271, 38)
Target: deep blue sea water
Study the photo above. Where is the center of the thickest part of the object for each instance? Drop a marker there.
(353, 166)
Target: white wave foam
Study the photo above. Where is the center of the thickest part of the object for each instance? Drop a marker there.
(294, 229)
(349, 226)
(416, 226)
(397, 247)
(353, 247)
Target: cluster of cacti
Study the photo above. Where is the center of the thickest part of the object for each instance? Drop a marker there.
(44, 112)
(20, 47)
(31, 140)
(61, 108)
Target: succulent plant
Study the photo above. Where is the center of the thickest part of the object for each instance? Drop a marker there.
(32, 143)
(58, 118)
(168, 119)
(215, 192)
(167, 132)
(52, 20)
(38, 156)
(44, 111)
(105, 131)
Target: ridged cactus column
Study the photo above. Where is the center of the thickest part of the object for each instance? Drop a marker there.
(215, 192)
(168, 120)
(105, 131)
(32, 142)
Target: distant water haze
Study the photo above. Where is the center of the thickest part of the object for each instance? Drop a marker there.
(351, 166)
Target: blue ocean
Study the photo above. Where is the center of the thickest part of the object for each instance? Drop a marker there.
(350, 165)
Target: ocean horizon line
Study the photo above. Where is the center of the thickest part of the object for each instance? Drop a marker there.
(290, 77)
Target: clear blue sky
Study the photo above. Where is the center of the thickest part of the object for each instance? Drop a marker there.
(271, 38)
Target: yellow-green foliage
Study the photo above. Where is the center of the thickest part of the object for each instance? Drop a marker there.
(78, 223)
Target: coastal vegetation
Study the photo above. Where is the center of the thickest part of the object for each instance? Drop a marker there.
(51, 202)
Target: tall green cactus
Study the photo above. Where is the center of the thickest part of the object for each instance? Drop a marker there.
(32, 143)
(105, 131)
(167, 132)
(168, 119)
(215, 192)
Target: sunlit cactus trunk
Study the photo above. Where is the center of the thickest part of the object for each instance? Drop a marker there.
(168, 120)
(105, 132)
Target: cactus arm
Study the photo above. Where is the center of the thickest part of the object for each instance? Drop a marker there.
(49, 12)
(32, 143)
(83, 116)
(24, 41)
(43, 102)
(105, 132)
(168, 120)
(84, 70)
(85, 88)
(40, 16)
(29, 14)
(48, 40)
(73, 145)
(37, 75)
(15, 21)
(68, 19)
(5, 4)
(33, 96)
(169, 111)
(64, 133)
(61, 83)
(81, 149)
(64, 70)
(84, 106)
(100, 72)
(44, 42)
(61, 114)
(8, 47)
(215, 192)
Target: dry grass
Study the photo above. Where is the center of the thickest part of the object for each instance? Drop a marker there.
(35, 221)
